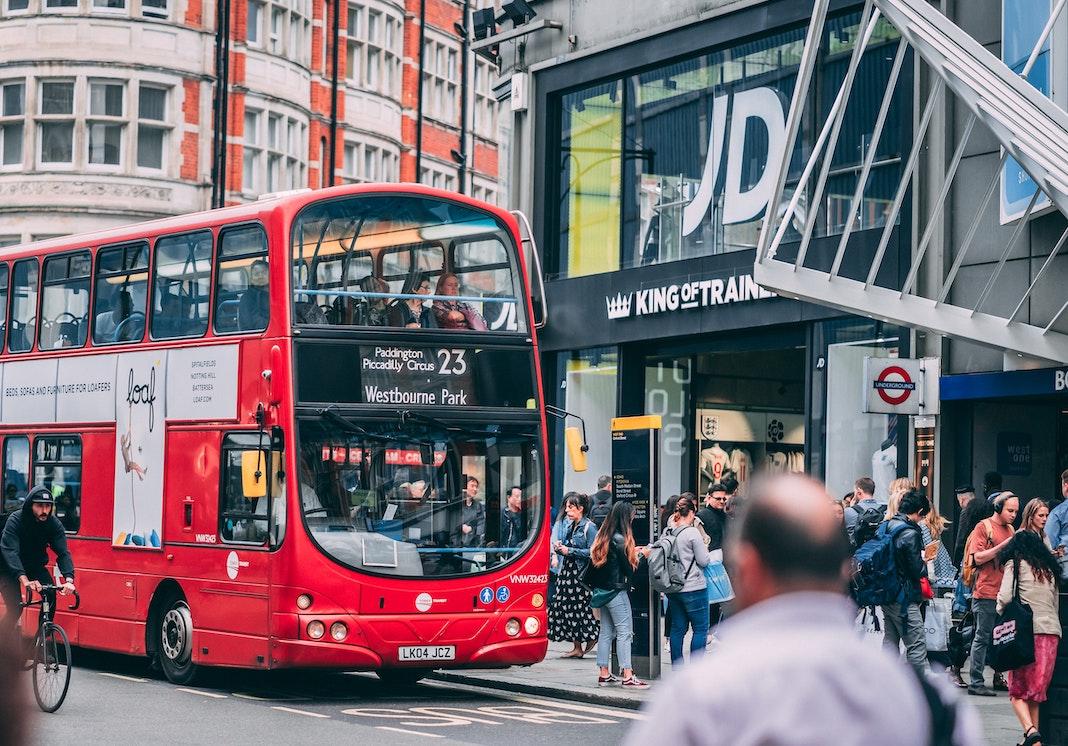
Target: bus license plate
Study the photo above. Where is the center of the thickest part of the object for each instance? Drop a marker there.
(427, 653)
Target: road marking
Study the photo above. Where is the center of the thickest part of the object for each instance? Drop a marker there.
(545, 702)
(410, 732)
(134, 679)
(242, 695)
(280, 708)
(202, 693)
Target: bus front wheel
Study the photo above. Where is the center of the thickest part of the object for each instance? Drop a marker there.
(402, 676)
(176, 642)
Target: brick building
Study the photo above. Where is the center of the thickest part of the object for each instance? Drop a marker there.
(107, 107)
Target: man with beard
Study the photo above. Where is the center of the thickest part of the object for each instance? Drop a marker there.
(26, 537)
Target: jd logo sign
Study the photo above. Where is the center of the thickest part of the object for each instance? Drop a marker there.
(765, 106)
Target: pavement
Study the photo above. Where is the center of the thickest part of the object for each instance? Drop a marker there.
(576, 681)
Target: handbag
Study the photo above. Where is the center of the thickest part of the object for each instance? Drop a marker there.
(1013, 642)
(926, 590)
(474, 319)
(602, 596)
(717, 581)
(961, 635)
(936, 624)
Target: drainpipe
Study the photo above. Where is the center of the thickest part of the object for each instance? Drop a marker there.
(419, 104)
(335, 35)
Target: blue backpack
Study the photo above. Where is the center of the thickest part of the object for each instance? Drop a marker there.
(876, 579)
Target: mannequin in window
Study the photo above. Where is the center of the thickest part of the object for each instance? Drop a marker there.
(715, 463)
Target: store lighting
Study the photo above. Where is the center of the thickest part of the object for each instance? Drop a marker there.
(517, 11)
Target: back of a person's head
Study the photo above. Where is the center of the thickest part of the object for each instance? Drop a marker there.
(730, 484)
(603, 481)
(789, 522)
(914, 501)
(865, 485)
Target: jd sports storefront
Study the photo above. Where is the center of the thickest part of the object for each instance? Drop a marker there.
(650, 198)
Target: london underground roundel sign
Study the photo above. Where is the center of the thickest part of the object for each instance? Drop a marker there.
(894, 385)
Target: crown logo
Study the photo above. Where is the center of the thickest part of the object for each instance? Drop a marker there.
(618, 307)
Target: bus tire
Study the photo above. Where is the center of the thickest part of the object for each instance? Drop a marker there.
(402, 676)
(175, 639)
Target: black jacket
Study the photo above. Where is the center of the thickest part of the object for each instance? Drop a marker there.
(602, 505)
(975, 511)
(616, 573)
(715, 523)
(908, 552)
(25, 539)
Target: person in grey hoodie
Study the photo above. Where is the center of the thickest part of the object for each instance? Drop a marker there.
(689, 607)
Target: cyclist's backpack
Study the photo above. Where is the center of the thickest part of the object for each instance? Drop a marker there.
(867, 524)
(666, 573)
(876, 578)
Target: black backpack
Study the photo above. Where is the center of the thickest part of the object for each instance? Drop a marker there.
(867, 524)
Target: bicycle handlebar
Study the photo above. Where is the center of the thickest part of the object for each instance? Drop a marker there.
(54, 589)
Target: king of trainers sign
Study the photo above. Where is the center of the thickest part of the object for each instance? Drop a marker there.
(684, 296)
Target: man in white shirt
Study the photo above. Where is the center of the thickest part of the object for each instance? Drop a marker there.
(790, 668)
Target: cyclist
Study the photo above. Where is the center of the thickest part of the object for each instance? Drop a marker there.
(27, 534)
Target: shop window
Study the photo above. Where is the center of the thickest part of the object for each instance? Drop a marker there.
(667, 394)
(121, 294)
(23, 325)
(65, 301)
(57, 466)
(591, 163)
(242, 295)
(587, 388)
(181, 286)
(16, 473)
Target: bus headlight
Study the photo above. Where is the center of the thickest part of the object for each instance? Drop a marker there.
(537, 600)
(512, 627)
(532, 625)
(316, 629)
(304, 601)
(339, 631)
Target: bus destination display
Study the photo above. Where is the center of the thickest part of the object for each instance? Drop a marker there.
(402, 376)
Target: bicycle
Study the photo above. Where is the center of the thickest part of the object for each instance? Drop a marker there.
(51, 651)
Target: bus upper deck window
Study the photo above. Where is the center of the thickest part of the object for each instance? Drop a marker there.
(3, 302)
(182, 280)
(242, 294)
(121, 294)
(65, 301)
(23, 327)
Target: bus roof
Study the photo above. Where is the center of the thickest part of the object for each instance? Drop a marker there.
(288, 203)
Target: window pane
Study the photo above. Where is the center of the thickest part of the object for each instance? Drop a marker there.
(120, 299)
(115, 4)
(105, 143)
(241, 518)
(13, 5)
(61, 3)
(150, 147)
(156, 8)
(3, 300)
(248, 170)
(274, 172)
(14, 99)
(57, 142)
(58, 467)
(242, 299)
(16, 475)
(11, 135)
(57, 98)
(65, 302)
(181, 286)
(105, 99)
(23, 326)
(152, 103)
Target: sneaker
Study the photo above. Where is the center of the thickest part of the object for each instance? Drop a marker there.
(634, 683)
(607, 680)
(982, 691)
(956, 680)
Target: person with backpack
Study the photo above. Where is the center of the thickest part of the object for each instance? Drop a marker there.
(863, 510)
(602, 500)
(613, 559)
(902, 616)
(682, 580)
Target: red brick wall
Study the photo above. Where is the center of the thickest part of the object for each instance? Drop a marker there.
(194, 13)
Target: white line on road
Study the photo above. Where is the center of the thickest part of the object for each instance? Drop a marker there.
(280, 708)
(410, 732)
(134, 679)
(202, 693)
(242, 695)
(625, 714)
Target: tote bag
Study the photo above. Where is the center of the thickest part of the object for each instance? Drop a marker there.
(937, 623)
(716, 579)
(1013, 643)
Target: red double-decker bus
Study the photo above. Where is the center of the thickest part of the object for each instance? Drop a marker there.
(305, 432)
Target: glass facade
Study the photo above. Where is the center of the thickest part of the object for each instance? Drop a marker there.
(678, 161)
(586, 386)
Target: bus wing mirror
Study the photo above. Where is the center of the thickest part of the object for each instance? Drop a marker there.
(253, 474)
(576, 449)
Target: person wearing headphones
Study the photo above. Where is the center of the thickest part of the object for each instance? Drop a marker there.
(27, 535)
(989, 537)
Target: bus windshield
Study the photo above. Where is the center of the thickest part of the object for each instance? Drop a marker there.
(420, 501)
(405, 261)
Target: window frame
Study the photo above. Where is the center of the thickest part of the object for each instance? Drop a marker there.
(27, 477)
(5, 284)
(13, 120)
(154, 286)
(219, 258)
(269, 448)
(34, 461)
(163, 126)
(44, 282)
(99, 275)
(11, 305)
(42, 119)
(121, 120)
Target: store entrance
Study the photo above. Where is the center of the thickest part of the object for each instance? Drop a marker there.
(727, 415)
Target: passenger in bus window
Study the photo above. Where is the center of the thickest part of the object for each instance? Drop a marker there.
(472, 516)
(410, 312)
(375, 311)
(513, 529)
(254, 310)
(112, 326)
(455, 314)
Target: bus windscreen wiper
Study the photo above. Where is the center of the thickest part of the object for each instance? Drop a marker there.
(493, 431)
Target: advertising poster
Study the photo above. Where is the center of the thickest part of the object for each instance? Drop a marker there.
(139, 444)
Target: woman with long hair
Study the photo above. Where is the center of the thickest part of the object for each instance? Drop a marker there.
(689, 606)
(570, 615)
(943, 575)
(1034, 517)
(1028, 560)
(615, 557)
(455, 314)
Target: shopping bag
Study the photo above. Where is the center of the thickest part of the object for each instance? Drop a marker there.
(869, 625)
(717, 581)
(1012, 644)
(936, 624)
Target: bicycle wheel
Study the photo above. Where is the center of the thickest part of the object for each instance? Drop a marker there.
(51, 667)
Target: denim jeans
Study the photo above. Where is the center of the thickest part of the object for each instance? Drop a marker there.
(985, 612)
(616, 623)
(904, 623)
(688, 609)
(962, 597)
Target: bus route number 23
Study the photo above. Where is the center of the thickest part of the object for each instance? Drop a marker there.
(452, 362)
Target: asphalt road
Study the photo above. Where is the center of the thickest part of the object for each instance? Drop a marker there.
(115, 698)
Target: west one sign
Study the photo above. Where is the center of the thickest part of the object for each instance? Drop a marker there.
(685, 296)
